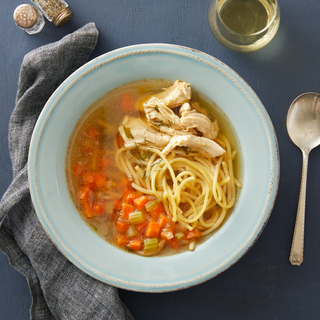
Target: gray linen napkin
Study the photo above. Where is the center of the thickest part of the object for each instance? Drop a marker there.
(59, 289)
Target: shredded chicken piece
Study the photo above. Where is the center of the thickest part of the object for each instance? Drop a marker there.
(170, 130)
(135, 131)
(203, 145)
(193, 119)
(157, 108)
(177, 94)
(184, 109)
(158, 114)
(173, 132)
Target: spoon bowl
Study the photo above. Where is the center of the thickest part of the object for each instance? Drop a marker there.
(303, 121)
(303, 125)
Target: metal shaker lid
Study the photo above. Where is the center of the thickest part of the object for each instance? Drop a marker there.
(63, 17)
(25, 16)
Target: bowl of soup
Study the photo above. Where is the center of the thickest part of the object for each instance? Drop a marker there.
(153, 167)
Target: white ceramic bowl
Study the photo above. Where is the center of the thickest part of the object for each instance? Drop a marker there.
(92, 254)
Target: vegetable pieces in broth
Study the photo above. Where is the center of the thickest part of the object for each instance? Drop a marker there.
(149, 170)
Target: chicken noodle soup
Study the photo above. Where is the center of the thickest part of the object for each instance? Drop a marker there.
(149, 170)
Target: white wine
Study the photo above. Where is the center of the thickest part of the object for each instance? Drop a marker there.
(245, 17)
(244, 25)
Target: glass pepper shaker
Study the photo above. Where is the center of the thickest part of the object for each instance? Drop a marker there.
(28, 18)
(56, 11)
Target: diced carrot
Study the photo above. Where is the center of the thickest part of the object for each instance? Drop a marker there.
(100, 179)
(129, 196)
(88, 178)
(83, 191)
(141, 226)
(153, 229)
(127, 102)
(78, 169)
(117, 204)
(156, 211)
(126, 210)
(163, 220)
(105, 162)
(122, 240)
(98, 208)
(135, 244)
(92, 132)
(193, 234)
(173, 243)
(170, 226)
(140, 202)
(122, 226)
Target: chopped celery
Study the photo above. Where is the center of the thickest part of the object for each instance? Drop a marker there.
(150, 244)
(136, 217)
(131, 232)
(179, 235)
(151, 204)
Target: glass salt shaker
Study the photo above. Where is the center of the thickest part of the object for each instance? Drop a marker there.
(28, 18)
(56, 11)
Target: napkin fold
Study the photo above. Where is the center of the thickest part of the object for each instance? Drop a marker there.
(59, 289)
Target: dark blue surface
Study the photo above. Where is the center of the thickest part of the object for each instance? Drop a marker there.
(263, 284)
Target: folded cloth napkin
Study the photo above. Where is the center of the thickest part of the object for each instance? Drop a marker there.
(59, 289)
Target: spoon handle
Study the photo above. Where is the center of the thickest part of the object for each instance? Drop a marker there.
(296, 253)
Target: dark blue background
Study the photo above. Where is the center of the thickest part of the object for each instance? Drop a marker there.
(263, 284)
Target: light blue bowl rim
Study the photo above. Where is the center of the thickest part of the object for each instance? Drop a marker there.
(179, 51)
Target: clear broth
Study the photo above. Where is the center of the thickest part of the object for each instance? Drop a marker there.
(108, 109)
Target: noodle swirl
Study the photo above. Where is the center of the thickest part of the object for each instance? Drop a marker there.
(196, 191)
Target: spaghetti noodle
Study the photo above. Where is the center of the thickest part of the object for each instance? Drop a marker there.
(196, 191)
